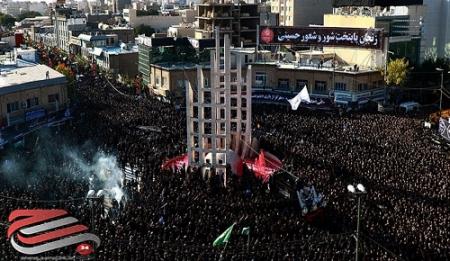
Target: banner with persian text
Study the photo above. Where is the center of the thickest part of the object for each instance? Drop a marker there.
(323, 36)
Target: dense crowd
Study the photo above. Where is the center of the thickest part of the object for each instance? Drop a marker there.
(177, 216)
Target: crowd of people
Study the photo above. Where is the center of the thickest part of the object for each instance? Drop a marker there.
(177, 216)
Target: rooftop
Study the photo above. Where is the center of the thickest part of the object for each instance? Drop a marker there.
(26, 76)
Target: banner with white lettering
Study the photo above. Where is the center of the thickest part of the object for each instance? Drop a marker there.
(323, 36)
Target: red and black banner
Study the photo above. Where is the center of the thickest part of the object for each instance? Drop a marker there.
(322, 36)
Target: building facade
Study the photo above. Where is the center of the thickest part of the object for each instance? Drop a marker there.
(157, 22)
(31, 91)
(301, 12)
(240, 20)
(67, 22)
(436, 29)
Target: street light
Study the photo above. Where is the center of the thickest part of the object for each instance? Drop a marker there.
(359, 191)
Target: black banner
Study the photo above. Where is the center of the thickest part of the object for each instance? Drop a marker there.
(340, 3)
(323, 36)
(444, 128)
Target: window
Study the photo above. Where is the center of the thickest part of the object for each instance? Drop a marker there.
(340, 86)
(206, 82)
(162, 81)
(52, 98)
(283, 84)
(157, 81)
(299, 84)
(260, 79)
(31, 102)
(12, 107)
(320, 86)
(362, 87)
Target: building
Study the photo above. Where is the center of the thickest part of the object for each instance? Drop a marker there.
(36, 21)
(401, 27)
(119, 60)
(240, 20)
(68, 22)
(436, 29)
(27, 54)
(158, 22)
(187, 16)
(300, 12)
(43, 34)
(29, 91)
(181, 31)
(119, 5)
(170, 78)
(219, 112)
(125, 34)
(169, 51)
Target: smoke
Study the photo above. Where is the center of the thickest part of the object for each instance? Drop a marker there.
(105, 169)
(55, 156)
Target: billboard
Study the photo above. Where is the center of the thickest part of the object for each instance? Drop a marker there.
(322, 36)
(340, 3)
(444, 128)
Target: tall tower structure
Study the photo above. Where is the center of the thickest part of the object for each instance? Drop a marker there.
(219, 111)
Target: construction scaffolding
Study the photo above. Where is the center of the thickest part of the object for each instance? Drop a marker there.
(218, 112)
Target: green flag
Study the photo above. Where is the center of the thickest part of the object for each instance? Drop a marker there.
(245, 231)
(224, 237)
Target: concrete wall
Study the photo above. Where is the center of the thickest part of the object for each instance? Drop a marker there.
(158, 22)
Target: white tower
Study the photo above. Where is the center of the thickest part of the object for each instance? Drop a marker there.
(219, 111)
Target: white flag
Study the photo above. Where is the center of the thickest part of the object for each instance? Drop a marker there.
(301, 96)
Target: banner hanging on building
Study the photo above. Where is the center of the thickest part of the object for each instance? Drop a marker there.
(444, 128)
(323, 36)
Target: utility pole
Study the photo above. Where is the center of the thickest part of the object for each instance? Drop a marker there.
(357, 191)
(358, 219)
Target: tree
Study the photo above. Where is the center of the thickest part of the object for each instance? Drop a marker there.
(144, 29)
(7, 20)
(30, 14)
(397, 71)
(66, 71)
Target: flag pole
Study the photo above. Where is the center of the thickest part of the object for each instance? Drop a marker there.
(223, 251)
(248, 242)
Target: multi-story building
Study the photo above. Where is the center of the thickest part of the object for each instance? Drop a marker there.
(29, 91)
(300, 12)
(401, 25)
(120, 60)
(158, 22)
(119, 5)
(68, 22)
(436, 29)
(239, 20)
(163, 51)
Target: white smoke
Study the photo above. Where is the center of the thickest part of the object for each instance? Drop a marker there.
(106, 170)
